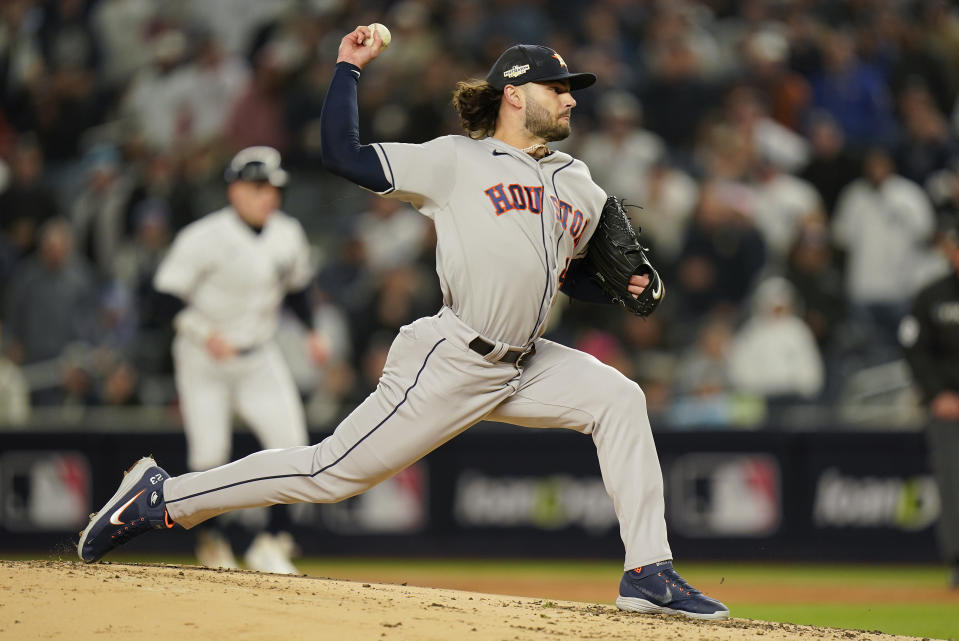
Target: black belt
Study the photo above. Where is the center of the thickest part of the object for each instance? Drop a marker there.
(519, 356)
(246, 351)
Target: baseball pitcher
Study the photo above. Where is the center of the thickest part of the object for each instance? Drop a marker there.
(516, 222)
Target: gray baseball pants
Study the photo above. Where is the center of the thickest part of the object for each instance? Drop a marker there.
(433, 388)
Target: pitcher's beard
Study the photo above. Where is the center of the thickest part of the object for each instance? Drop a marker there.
(540, 124)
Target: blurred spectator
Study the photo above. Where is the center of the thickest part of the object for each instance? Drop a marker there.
(7, 138)
(137, 258)
(884, 222)
(303, 107)
(853, 92)
(22, 66)
(51, 301)
(345, 279)
(812, 271)
(417, 44)
(677, 97)
(783, 202)
(943, 189)
(704, 392)
(665, 211)
(703, 371)
(207, 85)
(692, 25)
(468, 27)
(930, 338)
(159, 178)
(98, 214)
(738, 99)
(66, 101)
(766, 54)
(14, 393)
(918, 61)
(620, 153)
(256, 117)
(120, 386)
(399, 299)
(67, 38)
(653, 362)
(926, 144)
(607, 349)
(136, 263)
(8, 260)
(833, 165)
(234, 22)
(722, 254)
(28, 201)
(121, 28)
(940, 29)
(775, 143)
(775, 354)
(391, 232)
(154, 102)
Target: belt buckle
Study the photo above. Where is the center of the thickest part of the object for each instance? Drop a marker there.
(529, 351)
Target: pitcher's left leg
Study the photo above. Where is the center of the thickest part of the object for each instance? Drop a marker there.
(562, 387)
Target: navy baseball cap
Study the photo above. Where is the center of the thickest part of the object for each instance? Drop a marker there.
(534, 63)
(257, 164)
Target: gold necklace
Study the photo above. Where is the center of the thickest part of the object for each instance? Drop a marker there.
(529, 150)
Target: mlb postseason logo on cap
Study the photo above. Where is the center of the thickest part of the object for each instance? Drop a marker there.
(515, 71)
(534, 63)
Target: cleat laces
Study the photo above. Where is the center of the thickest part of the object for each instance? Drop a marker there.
(672, 578)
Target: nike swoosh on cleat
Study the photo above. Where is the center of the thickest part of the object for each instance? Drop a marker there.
(664, 598)
(500, 153)
(115, 517)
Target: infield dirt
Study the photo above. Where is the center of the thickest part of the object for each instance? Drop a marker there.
(67, 600)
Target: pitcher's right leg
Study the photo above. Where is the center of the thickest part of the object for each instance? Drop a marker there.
(431, 390)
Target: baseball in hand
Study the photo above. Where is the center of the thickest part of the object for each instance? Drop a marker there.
(384, 35)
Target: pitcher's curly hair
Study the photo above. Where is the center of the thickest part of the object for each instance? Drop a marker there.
(477, 104)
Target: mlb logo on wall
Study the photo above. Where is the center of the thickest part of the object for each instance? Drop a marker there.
(44, 491)
(720, 495)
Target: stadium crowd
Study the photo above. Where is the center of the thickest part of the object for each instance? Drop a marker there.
(792, 164)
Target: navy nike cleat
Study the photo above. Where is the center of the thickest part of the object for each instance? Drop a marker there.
(658, 589)
(137, 507)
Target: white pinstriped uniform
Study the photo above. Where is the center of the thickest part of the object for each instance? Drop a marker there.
(233, 281)
(506, 226)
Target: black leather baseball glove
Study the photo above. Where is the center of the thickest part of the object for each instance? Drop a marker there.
(614, 255)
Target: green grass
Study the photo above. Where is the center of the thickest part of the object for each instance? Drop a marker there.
(936, 618)
(935, 621)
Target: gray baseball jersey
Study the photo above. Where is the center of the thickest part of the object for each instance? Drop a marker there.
(507, 226)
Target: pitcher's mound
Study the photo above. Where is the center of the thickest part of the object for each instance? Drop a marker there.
(65, 600)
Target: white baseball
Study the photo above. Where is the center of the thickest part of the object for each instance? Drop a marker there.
(384, 35)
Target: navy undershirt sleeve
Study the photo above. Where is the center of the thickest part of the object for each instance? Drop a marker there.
(577, 284)
(299, 304)
(164, 306)
(340, 129)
